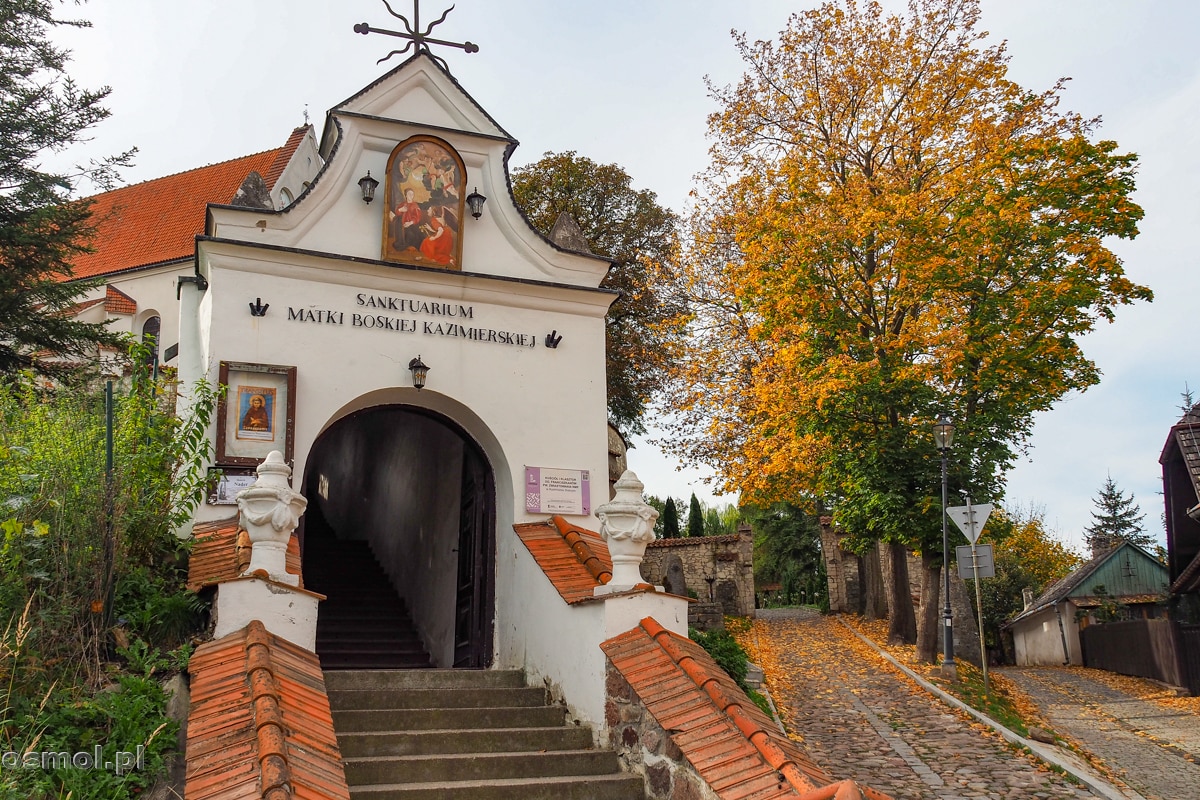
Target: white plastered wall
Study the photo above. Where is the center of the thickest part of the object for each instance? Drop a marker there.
(532, 406)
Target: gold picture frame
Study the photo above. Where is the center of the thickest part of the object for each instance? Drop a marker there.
(425, 198)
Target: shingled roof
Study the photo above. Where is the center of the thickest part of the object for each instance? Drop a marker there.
(1180, 461)
(1062, 588)
(157, 221)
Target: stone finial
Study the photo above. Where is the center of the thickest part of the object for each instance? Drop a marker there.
(627, 524)
(270, 510)
(567, 234)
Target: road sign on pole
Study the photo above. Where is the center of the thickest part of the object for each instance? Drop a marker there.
(970, 557)
(970, 519)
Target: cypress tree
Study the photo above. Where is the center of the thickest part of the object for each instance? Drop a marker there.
(670, 520)
(695, 522)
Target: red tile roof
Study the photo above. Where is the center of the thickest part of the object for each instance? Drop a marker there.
(117, 302)
(285, 155)
(575, 559)
(733, 745)
(157, 221)
(79, 308)
(221, 552)
(684, 541)
(260, 725)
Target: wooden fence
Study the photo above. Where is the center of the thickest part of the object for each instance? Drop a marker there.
(1147, 648)
(1188, 637)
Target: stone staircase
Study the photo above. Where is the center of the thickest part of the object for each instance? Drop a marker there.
(465, 735)
(363, 623)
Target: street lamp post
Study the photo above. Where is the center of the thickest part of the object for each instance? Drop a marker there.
(943, 437)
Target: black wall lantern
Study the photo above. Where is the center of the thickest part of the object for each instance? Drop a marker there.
(475, 200)
(368, 186)
(419, 371)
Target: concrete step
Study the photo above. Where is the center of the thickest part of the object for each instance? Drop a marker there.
(408, 719)
(349, 609)
(331, 645)
(356, 662)
(425, 679)
(353, 699)
(617, 786)
(481, 740)
(364, 630)
(478, 766)
(470, 734)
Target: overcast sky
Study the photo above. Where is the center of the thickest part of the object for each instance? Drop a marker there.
(619, 81)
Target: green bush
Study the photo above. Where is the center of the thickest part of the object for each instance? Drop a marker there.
(725, 650)
(92, 574)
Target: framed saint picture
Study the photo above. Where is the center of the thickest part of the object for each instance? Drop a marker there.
(425, 197)
(256, 414)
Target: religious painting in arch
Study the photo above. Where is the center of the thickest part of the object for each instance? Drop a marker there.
(425, 203)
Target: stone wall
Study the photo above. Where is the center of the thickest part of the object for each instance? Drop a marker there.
(645, 748)
(841, 569)
(718, 569)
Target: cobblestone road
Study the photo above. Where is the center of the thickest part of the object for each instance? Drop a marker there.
(1154, 749)
(861, 718)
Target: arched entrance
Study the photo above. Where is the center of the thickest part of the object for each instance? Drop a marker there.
(400, 536)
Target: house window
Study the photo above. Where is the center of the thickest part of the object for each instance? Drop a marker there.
(150, 337)
(285, 198)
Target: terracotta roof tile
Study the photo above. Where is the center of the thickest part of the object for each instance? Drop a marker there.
(117, 302)
(286, 152)
(732, 744)
(79, 308)
(157, 221)
(685, 541)
(260, 725)
(575, 559)
(221, 552)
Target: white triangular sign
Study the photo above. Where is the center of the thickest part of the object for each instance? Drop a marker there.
(958, 515)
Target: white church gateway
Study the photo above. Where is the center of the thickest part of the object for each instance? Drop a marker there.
(431, 369)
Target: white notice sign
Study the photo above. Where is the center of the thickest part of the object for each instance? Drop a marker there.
(557, 491)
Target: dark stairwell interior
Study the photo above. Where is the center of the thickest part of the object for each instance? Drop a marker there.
(363, 623)
(398, 535)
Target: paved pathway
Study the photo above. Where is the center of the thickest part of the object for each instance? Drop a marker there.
(1154, 749)
(861, 718)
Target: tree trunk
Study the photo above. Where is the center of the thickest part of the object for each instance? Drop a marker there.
(902, 628)
(874, 599)
(931, 615)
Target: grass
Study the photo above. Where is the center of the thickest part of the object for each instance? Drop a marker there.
(1002, 702)
(997, 703)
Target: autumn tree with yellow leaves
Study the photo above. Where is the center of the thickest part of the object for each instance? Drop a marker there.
(891, 230)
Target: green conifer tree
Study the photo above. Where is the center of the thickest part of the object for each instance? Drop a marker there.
(670, 520)
(695, 521)
(43, 227)
(1116, 518)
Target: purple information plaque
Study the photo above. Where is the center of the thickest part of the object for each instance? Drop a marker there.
(557, 491)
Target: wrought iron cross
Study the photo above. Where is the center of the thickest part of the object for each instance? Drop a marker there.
(418, 38)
